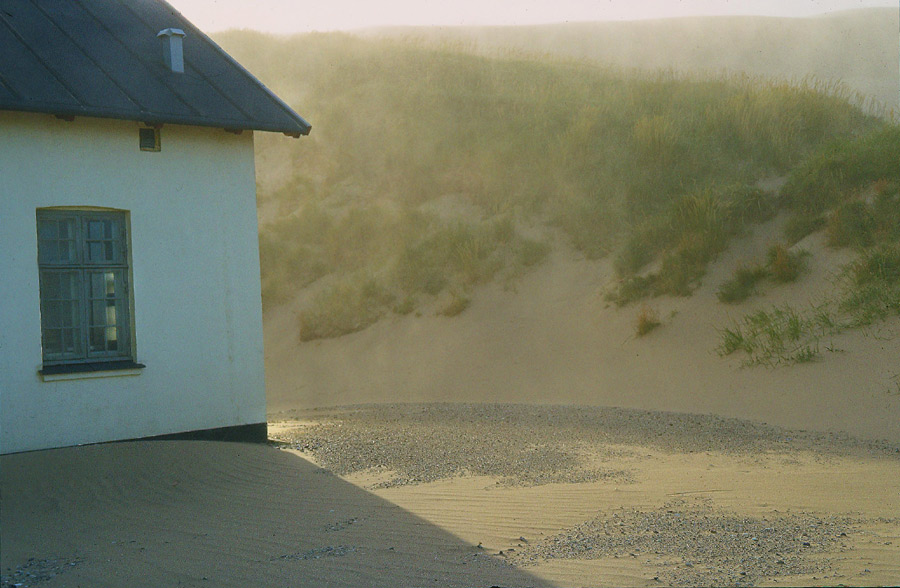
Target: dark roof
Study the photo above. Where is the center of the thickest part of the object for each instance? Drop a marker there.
(102, 58)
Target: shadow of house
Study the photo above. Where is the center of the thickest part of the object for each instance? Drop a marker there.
(217, 514)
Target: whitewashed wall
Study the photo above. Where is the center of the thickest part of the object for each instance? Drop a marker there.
(195, 267)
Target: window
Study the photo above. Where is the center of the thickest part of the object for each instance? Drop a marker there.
(83, 263)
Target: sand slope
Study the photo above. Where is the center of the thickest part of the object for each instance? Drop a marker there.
(550, 337)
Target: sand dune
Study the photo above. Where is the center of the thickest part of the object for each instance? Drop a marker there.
(550, 338)
(855, 47)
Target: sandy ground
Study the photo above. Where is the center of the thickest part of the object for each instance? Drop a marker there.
(676, 499)
(460, 495)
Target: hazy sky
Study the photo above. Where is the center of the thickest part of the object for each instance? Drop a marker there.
(289, 16)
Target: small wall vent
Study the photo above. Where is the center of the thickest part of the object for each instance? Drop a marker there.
(149, 139)
(173, 49)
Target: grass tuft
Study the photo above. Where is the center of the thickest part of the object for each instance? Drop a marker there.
(647, 320)
(742, 285)
(784, 265)
(343, 308)
(873, 285)
(456, 306)
(779, 335)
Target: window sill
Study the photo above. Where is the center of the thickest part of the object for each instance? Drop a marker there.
(80, 371)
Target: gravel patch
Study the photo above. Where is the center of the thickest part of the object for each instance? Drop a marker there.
(693, 545)
(37, 571)
(690, 544)
(529, 444)
(421, 453)
(319, 553)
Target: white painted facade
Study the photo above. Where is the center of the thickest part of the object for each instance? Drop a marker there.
(194, 264)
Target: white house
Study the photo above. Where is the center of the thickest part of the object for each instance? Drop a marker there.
(129, 262)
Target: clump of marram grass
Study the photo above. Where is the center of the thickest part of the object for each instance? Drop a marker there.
(440, 257)
(691, 233)
(342, 308)
(852, 224)
(780, 335)
(784, 265)
(647, 320)
(531, 253)
(458, 252)
(869, 292)
(457, 304)
(863, 222)
(873, 285)
(802, 223)
(742, 285)
(836, 174)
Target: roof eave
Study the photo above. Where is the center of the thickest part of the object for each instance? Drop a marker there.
(302, 128)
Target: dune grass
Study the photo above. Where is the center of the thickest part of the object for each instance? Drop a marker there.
(780, 335)
(782, 266)
(647, 321)
(742, 285)
(836, 176)
(644, 167)
(858, 181)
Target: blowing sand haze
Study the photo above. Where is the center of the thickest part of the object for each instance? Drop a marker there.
(534, 312)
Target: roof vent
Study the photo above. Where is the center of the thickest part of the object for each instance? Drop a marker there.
(173, 52)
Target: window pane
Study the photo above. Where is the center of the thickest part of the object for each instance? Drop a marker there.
(60, 313)
(60, 286)
(56, 240)
(70, 285)
(72, 342)
(112, 343)
(66, 251)
(97, 317)
(98, 339)
(52, 314)
(48, 230)
(95, 229)
(53, 341)
(48, 251)
(57, 285)
(70, 313)
(50, 289)
(95, 251)
(96, 286)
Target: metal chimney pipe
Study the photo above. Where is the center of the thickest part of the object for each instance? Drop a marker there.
(173, 51)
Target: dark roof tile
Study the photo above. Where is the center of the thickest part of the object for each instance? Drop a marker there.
(103, 58)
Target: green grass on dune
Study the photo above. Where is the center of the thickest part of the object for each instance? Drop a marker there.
(651, 167)
(853, 186)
